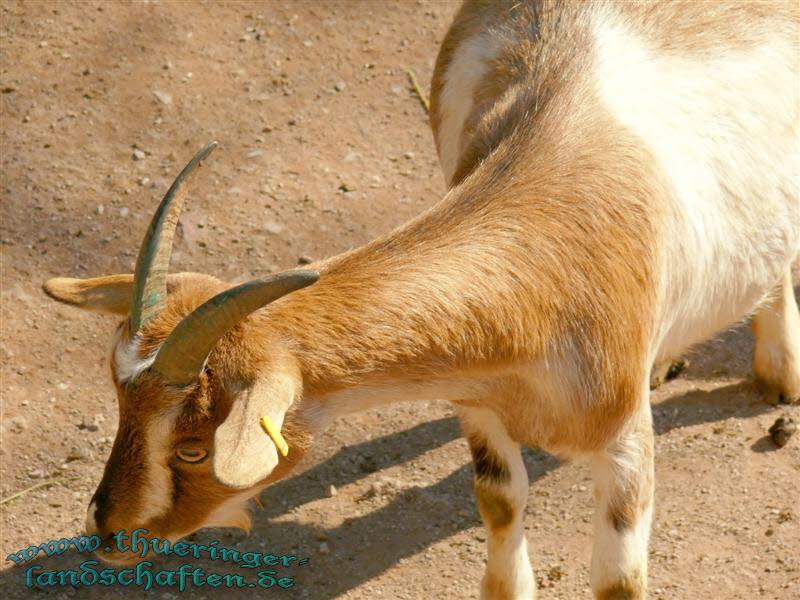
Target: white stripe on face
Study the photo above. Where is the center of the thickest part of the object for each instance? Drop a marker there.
(156, 497)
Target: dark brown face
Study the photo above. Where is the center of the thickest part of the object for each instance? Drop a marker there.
(159, 476)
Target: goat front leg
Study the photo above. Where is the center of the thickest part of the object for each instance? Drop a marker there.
(623, 475)
(776, 360)
(501, 489)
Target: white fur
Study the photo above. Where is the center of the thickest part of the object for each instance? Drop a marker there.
(723, 129)
(466, 69)
(127, 361)
(157, 490)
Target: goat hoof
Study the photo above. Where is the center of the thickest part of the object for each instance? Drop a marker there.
(667, 371)
(775, 398)
(676, 368)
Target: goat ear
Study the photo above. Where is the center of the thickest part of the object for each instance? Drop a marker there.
(112, 294)
(243, 452)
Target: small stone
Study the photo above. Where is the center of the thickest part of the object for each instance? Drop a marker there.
(324, 548)
(384, 486)
(124, 211)
(138, 154)
(100, 209)
(408, 155)
(782, 429)
(143, 181)
(88, 424)
(274, 228)
(35, 473)
(255, 153)
(18, 424)
(332, 491)
(340, 86)
(75, 453)
(304, 260)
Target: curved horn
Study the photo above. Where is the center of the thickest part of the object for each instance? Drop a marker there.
(150, 279)
(183, 354)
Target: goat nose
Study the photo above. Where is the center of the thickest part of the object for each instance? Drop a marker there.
(91, 523)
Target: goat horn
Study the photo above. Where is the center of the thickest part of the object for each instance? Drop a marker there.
(182, 356)
(150, 279)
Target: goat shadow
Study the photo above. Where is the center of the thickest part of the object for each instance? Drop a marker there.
(363, 547)
(396, 528)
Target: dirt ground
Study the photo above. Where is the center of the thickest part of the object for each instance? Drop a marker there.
(323, 145)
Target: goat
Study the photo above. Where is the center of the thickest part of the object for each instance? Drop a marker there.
(622, 184)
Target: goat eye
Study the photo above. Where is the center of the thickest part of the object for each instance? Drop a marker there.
(191, 455)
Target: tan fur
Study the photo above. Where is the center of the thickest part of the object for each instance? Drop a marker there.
(110, 294)
(494, 588)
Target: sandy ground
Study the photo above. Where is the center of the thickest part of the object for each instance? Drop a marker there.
(322, 146)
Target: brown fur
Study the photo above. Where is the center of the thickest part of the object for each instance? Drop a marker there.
(630, 588)
(488, 466)
(494, 507)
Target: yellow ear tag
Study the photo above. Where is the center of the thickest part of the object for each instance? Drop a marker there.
(274, 433)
